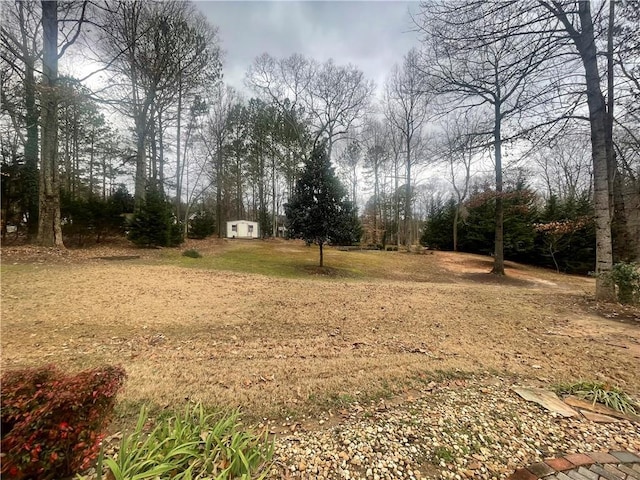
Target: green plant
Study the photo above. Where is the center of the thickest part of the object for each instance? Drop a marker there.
(191, 445)
(443, 454)
(52, 423)
(191, 253)
(154, 224)
(626, 276)
(598, 392)
(202, 225)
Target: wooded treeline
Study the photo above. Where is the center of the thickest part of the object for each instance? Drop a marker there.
(543, 94)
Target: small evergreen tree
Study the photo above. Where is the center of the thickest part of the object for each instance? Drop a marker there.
(202, 225)
(155, 225)
(439, 224)
(319, 211)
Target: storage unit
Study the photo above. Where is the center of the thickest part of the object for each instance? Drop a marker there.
(242, 229)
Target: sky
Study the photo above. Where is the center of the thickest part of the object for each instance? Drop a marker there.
(371, 35)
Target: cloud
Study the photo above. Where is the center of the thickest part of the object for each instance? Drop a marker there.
(371, 35)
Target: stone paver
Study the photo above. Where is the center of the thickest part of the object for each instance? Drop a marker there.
(577, 476)
(585, 472)
(604, 473)
(559, 464)
(614, 465)
(579, 459)
(602, 457)
(631, 473)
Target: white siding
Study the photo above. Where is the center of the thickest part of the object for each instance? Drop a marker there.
(242, 229)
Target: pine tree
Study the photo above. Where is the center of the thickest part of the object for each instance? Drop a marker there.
(154, 225)
(319, 211)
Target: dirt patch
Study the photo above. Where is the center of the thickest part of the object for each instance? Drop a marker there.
(329, 272)
(119, 257)
(276, 345)
(489, 278)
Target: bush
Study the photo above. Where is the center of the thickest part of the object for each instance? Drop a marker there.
(52, 423)
(202, 225)
(154, 224)
(94, 218)
(626, 276)
(191, 445)
(191, 253)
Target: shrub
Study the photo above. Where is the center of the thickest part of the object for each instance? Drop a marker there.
(193, 444)
(626, 276)
(598, 392)
(154, 225)
(52, 422)
(191, 253)
(202, 225)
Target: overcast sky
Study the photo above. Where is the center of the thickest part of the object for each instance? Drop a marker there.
(371, 35)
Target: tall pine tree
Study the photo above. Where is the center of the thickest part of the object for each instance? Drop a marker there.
(319, 211)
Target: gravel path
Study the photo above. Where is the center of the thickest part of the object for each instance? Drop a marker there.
(457, 429)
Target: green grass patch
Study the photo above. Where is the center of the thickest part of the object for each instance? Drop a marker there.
(443, 454)
(280, 260)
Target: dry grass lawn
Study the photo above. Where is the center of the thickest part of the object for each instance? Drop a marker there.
(254, 324)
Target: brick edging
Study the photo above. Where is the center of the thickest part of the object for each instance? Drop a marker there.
(585, 465)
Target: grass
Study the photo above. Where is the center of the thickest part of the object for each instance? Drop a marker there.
(599, 392)
(191, 444)
(293, 259)
(290, 340)
(191, 253)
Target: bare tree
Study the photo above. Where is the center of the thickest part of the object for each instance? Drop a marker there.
(350, 162)
(459, 147)
(576, 19)
(565, 165)
(407, 98)
(376, 155)
(156, 52)
(285, 82)
(21, 50)
(333, 96)
(215, 131)
(49, 226)
(338, 97)
(473, 65)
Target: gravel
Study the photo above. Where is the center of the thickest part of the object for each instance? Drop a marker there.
(453, 430)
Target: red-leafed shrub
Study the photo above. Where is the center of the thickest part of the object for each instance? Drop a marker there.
(52, 423)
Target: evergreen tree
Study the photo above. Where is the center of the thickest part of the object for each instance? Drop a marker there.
(154, 225)
(438, 227)
(202, 225)
(319, 211)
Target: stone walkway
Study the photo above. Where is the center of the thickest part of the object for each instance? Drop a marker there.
(578, 466)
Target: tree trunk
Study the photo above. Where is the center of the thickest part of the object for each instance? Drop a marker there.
(456, 215)
(407, 204)
(498, 259)
(179, 171)
(219, 179)
(49, 227)
(160, 153)
(376, 192)
(141, 163)
(321, 255)
(605, 289)
(31, 148)
(91, 161)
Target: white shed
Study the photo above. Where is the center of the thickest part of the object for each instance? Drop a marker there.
(242, 229)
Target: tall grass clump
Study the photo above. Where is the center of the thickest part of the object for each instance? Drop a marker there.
(191, 445)
(598, 392)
